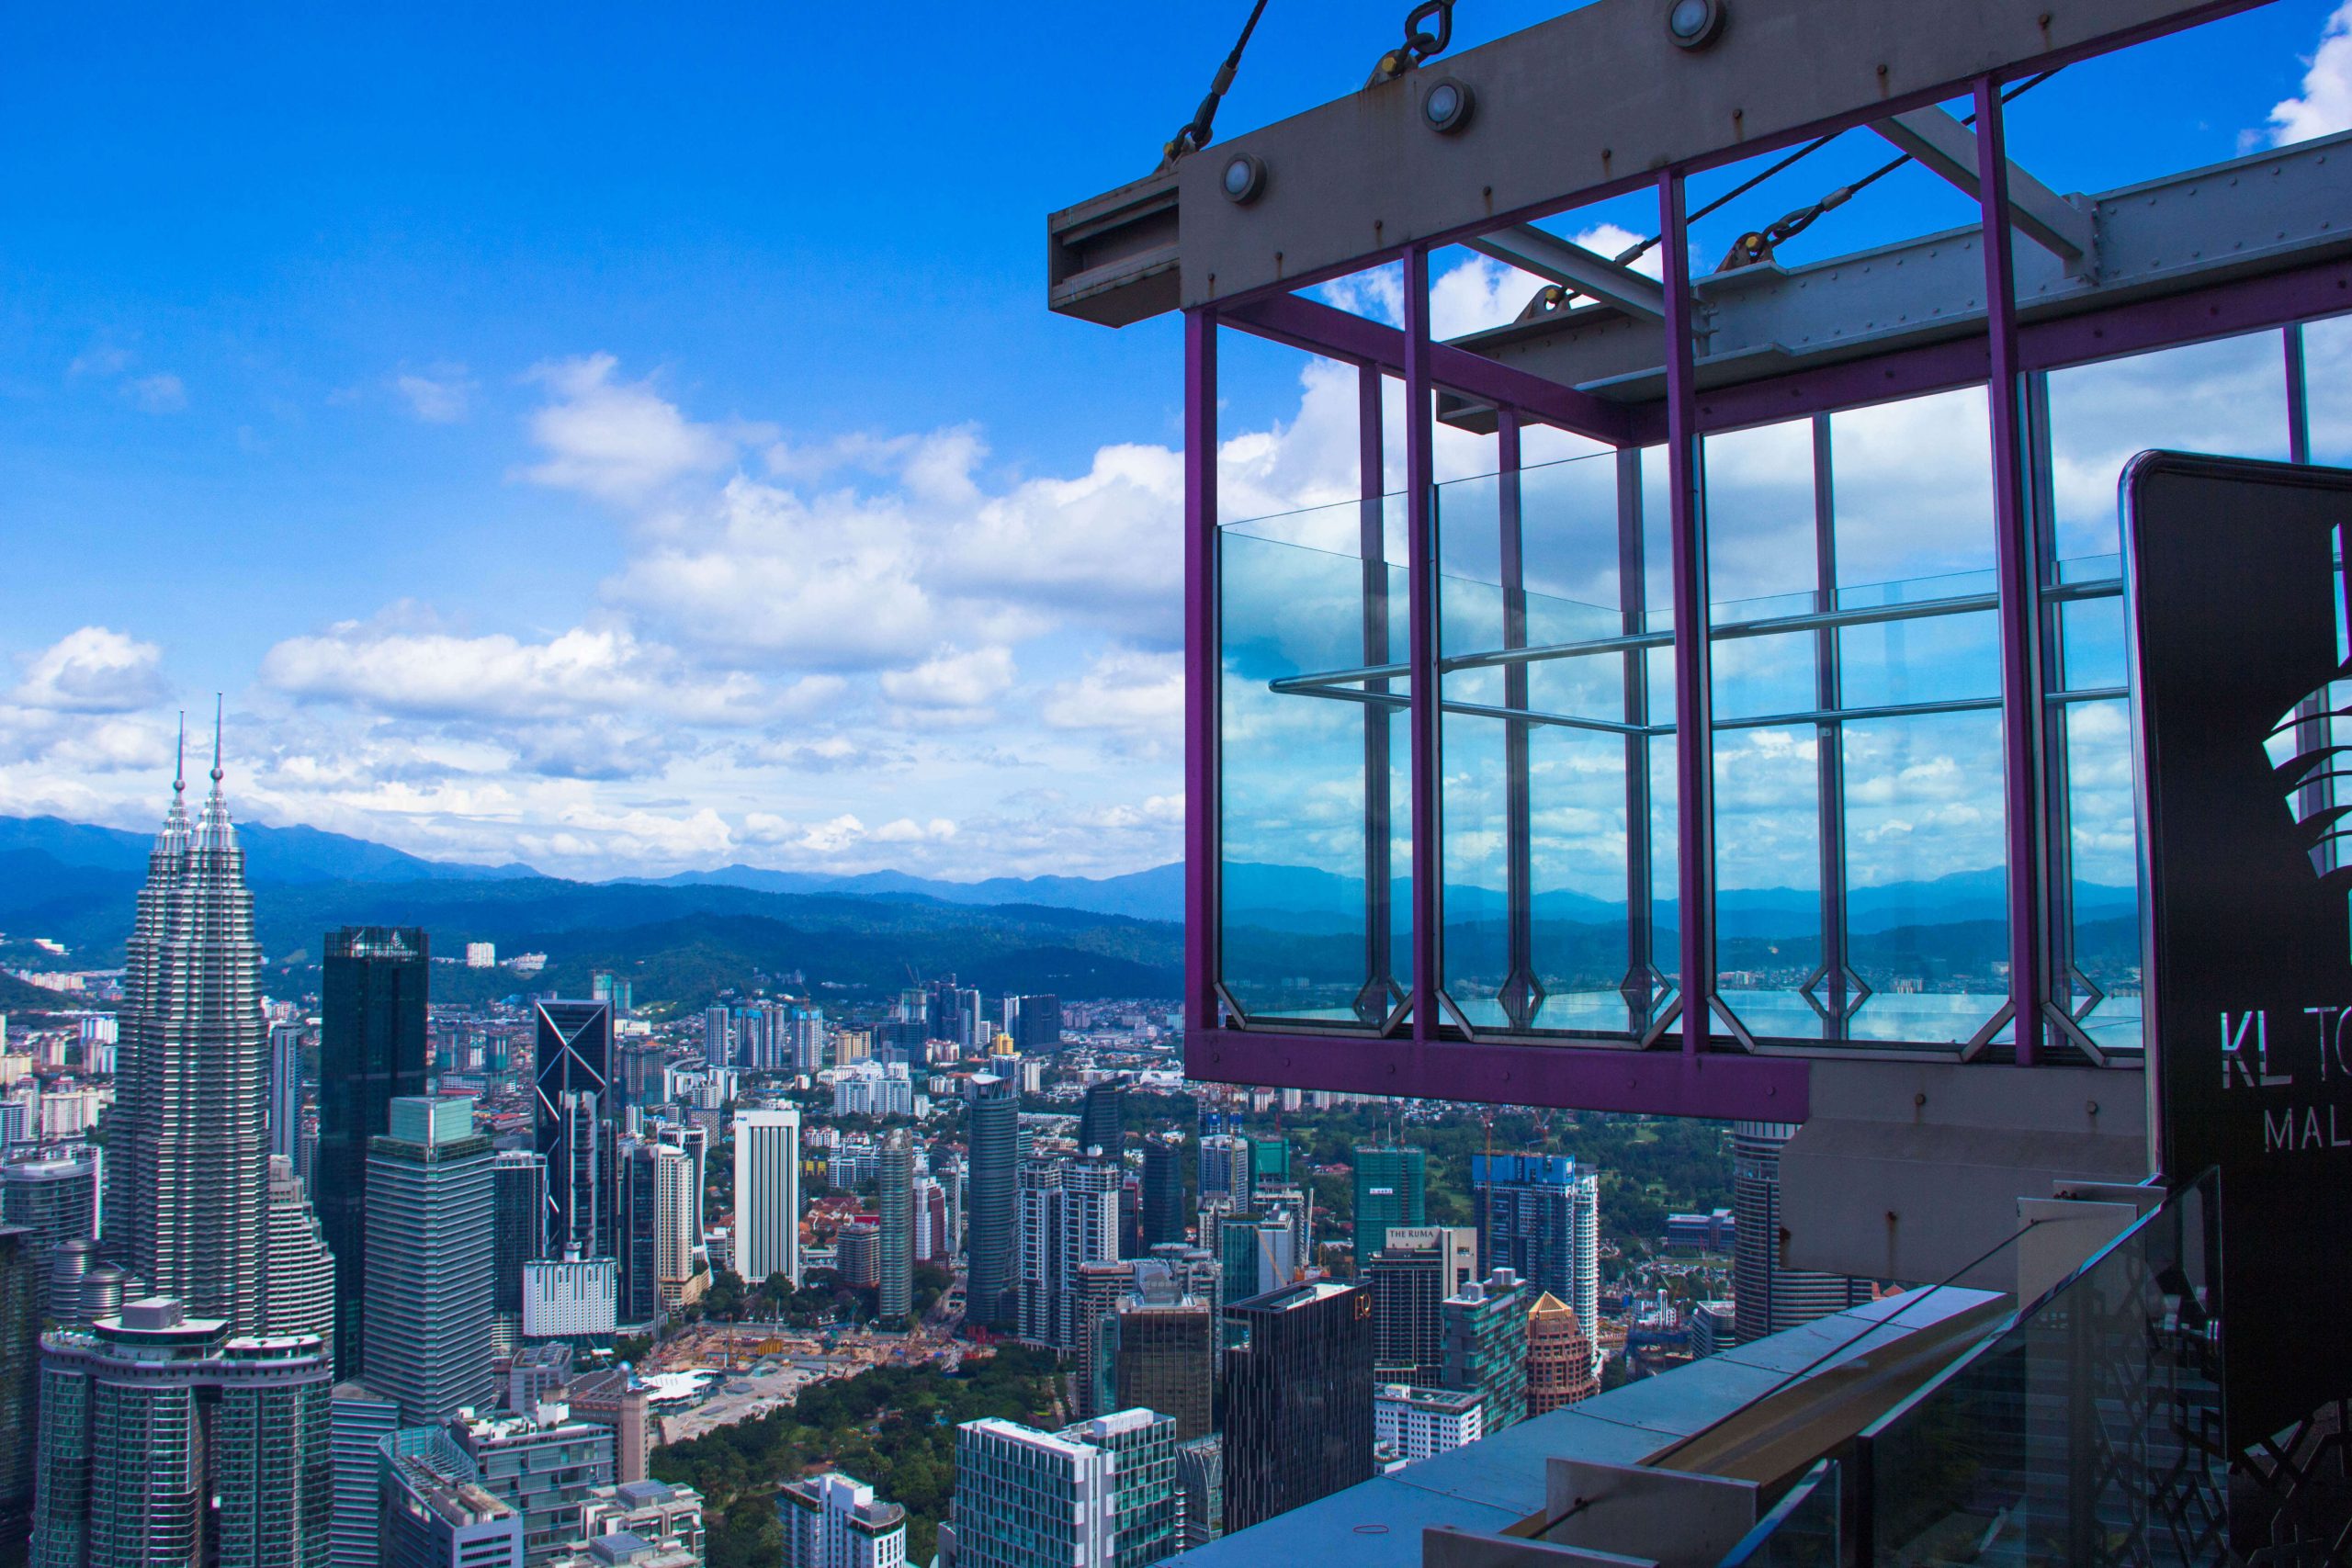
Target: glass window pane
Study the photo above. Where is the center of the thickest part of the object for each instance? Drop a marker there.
(2327, 379)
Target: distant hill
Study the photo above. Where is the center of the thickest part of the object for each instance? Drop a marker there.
(272, 854)
(1154, 895)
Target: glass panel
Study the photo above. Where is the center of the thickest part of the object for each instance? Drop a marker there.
(2078, 1427)
(1297, 921)
(1802, 1531)
(1927, 917)
(2328, 377)
(2103, 840)
(1476, 782)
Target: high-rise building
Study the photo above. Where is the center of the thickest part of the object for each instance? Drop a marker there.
(1767, 1297)
(1419, 1422)
(1391, 1188)
(573, 1125)
(431, 1241)
(993, 1128)
(1559, 1356)
(1104, 1123)
(767, 1194)
(1408, 1278)
(358, 1420)
(1539, 1216)
(666, 1517)
(1225, 1169)
(1715, 1328)
(188, 1140)
(857, 1253)
(286, 1090)
(1486, 1347)
(1097, 1494)
(297, 1272)
(614, 991)
(1200, 1492)
(375, 993)
(835, 1521)
(571, 1298)
(1166, 1358)
(481, 955)
(717, 1039)
(1297, 1398)
(435, 1511)
(1096, 1296)
(1269, 1165)
(1069, 1215)
(23, 1263)
(1033, 1022)
(636, 1188)
(1164, 1216)
(614, 1397)
(165, 1439)
(518, 1187)
(676, 1228)
(895, 1202)
(56, 1197)
(543, 1465)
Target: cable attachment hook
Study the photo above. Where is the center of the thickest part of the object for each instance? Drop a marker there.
(1194, 133)
(1419, 47)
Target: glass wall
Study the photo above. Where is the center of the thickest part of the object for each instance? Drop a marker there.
(1856, 744)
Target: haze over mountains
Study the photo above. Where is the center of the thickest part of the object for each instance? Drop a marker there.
(696, 931)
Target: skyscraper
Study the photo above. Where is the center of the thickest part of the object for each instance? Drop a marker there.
(435, 1511)
(518, 1181)
(1392, 1188)
(1559, 1357)
(1069, 1217)
(359, 1419)
(573, 1104)
(1104, 1123)
(636, 1207)
(431, 1244)
(1485, 1346)
(297, 1272)
(1097, 1494)
(717, 1040)
(677, 1232)
(1225, 1169)
(374, 995)
(767, 1194)
(1409, 1279)
(992, 1124)
(23, 1261)
(1164, 1219)
(232, 1442)
(187, 1156)
(1298, 1398)
(895, 1202)
(1166, 1351)
(834, 1520)
(56, 1197)
(286, 1090)
(1539, 1216)
(1769, 1298)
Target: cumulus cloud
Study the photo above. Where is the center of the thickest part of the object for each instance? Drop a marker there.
(952, 678)
(93, 670)
(2325, 106)
(439, 396)
(588, 671)
(618, 440)
(1125, 691)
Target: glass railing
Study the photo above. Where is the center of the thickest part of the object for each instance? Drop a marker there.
(2087, 1430)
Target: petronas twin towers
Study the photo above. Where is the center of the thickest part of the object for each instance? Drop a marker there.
(188, 1201)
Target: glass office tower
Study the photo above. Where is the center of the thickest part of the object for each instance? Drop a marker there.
(374, 992)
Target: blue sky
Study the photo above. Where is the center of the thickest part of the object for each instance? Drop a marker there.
(625, 441)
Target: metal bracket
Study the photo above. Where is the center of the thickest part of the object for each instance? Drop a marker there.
(1554, 260)
(1948, 148)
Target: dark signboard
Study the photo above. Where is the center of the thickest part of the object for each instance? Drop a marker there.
(2237, 642)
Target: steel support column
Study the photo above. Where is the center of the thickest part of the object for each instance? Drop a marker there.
(1378, 997)
(1203, 839)
(2020, 616)
(1693, 680)
(1520, 995)
(1829, 739)
(1639, 986)
(1429, 930)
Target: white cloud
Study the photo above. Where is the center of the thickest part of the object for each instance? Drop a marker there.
(2325, 106)
(440, 396)
(952, 678)
(1125, 691)
(100, 359)
(93, 670)
(159, 393)
(586, 671)
(618, 440)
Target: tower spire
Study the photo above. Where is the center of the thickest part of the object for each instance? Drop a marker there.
(217, 705)
(179, 766)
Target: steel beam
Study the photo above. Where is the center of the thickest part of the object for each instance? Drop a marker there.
(1204, 661)
(1554, 260)
(1334, 334)
(1657, 1083)
(1350, 182)
(1694, 768)
(1944, 146)
(1421, 551)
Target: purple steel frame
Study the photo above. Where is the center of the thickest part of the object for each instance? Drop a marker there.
(1703, 1077)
